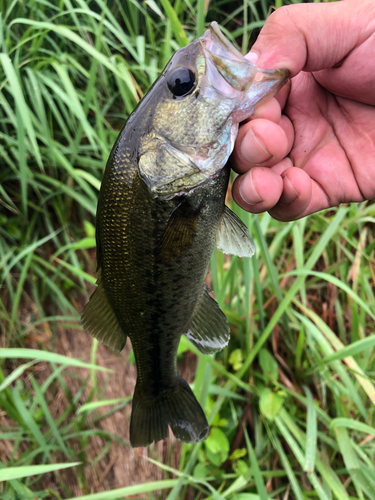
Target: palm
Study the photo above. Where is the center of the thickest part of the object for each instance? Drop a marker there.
(333, 143)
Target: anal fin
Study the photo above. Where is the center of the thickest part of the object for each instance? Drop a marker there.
(99, 320)
(208, 328)
(233, 237)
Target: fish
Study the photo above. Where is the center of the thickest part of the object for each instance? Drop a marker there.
(161, 207)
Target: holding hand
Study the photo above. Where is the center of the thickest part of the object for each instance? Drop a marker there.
(320, 151)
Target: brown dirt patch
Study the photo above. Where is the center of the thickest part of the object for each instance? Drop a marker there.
(121, 465)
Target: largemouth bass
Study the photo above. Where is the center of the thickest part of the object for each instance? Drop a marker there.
(161, 205)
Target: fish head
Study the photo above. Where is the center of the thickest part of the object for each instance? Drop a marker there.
(204, 92)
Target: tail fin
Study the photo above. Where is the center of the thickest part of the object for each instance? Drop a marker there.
(177, 408)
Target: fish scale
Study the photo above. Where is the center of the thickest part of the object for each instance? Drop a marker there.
(161, 206)
(209, 121)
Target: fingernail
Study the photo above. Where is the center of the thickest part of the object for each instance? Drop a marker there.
(253, 150)
(252, 57)
(248, 193)
(290, 194)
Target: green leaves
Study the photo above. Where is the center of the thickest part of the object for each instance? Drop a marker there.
(217, 446)
(270, 403)
(236, 359)
(269, 366)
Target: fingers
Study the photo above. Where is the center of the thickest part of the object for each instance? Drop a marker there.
(262, 142)
(296, 196)
(270, 110)
(286, 192)
(286, 196)
(258, 190)
(311, 37)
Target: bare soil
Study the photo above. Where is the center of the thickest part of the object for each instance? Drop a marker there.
(121, 465)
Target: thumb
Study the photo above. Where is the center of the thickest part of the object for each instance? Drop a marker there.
(311, 37)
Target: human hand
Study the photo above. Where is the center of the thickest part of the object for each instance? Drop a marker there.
(327, 128)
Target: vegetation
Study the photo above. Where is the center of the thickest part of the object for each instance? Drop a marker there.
(290, 401)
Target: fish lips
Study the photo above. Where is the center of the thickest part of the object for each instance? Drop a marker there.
(233, 76)
(237, 71)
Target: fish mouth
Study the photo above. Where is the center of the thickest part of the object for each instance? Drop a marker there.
(238, 75)
(222, 44)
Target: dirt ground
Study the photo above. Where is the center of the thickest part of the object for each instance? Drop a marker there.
(122, 465)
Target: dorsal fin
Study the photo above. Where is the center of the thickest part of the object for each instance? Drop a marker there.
(99, 320)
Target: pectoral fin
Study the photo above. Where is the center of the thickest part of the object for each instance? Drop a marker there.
(99, 320)
(179, 233)
(233, 237)
(208, 329)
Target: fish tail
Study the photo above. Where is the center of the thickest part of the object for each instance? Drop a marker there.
(176, 407)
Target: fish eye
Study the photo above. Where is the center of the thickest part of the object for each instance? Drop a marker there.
(181, 81)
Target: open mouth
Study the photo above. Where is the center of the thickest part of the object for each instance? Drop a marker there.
(223, 47)
(237, 71)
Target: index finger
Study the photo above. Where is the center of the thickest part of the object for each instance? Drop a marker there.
(311, 37)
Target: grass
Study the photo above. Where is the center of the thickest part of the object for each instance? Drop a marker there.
(290, 401)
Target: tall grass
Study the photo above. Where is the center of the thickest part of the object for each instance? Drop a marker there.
(291, 400)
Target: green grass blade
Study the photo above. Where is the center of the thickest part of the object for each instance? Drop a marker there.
(201, 17)
(335, 281)
(70, 35)
(136, 489)
(288, 468)
(93, 405)
(176, 24)
(352, 424)
(22, 353)
(30, 423)
(352, 350)
(261, 489)
(22, 108)
(311, 433)
(317, 251)
(15, 374)
(31, 470)
(39, 399)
